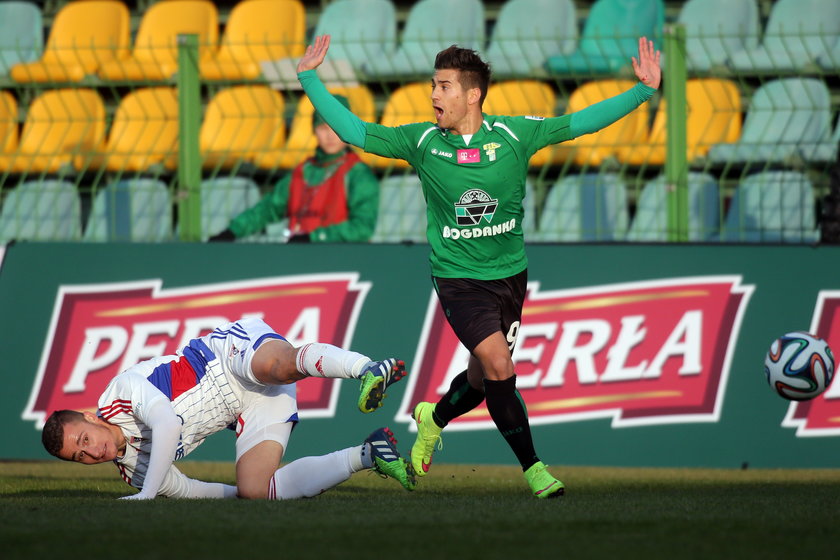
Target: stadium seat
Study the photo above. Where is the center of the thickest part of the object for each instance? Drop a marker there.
(21, 34)
(8, 123)
(257, 30)
(359, 41)
(787, 118)
(131, 210)
(825, 151)
(402, 210)
(43, 210)
(593, 149)
(717, 29)
(60, 124)
(830, 60)
(240, 122)
(155, 53)
(798, 32)
(432, 26)
(144, 133)
(301, 142)
(522, 98)
(588, 207)
(527, 32)
(224, 198)
(651, 220)
(84, 35)
(772, 207)
(611, 36)
(408, 104)
(714, 116)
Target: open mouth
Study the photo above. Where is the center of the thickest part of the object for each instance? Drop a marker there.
(438, 112)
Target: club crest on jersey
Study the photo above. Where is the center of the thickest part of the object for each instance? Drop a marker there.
(474, 205)
(490, 150)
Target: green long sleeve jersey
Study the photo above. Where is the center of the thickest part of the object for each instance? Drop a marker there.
(361, 187)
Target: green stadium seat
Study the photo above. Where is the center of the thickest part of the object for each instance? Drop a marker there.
(131, 210)
(651, 220)
(21, 34)
(611, 36)
(359, 41)
(787, 118)
(587, 207)
(717, 29)
(772, 207)
(826, 151)
(224, 198)
(830, 60)
(402, 210)
(527, 32)
(432, 26)
(41, 210)
(798, 32)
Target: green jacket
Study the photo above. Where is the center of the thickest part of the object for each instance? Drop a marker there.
(361, 187)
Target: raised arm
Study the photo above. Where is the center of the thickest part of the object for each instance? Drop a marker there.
(348, 126)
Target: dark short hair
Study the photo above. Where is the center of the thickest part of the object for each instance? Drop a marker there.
(475, 73)
(53, 434)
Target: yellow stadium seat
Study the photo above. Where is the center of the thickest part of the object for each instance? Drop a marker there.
(83, 36)
(301, 142)
(60, 124)
(257, 30)
(155, 53)
(523, 98)
(408, 104)
(144, 133)
(239, 123)
(593, 149)
(8, 122)
(713, 116)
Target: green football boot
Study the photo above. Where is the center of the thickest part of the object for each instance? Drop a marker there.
(376, 378)
(386, 459)
(428, 436)
(542, 484)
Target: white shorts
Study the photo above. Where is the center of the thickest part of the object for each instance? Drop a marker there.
(268, 412)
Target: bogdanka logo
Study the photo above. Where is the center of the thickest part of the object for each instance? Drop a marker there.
(821, 416)
(99, 330)
(640, 353)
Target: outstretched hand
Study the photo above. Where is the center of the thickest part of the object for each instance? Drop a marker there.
(646, 66)
(314, 55)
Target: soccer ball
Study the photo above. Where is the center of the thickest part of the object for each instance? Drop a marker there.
(799, 366)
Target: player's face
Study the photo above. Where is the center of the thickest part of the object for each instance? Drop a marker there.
(449, 99)
(328, 140)
(88, 441)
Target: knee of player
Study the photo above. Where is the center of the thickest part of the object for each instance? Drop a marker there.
(252, 490)
(274, 364)
(498, 367)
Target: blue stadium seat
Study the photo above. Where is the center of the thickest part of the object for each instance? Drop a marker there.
(798, 32)
(432, 26)
(717, 29)
(772, 207)
(611, 36)
(361, 41)
(787, 118)
(402, 210)
(41, 210)
(651, 220)
(527, 32)
(224, 198)
(131, 210)
(21, 34)
(588, 207)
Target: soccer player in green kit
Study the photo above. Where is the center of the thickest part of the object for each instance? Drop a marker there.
(473, 168)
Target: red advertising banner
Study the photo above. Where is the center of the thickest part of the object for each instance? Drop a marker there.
(820, 416)
(655, 352)
(99, 330)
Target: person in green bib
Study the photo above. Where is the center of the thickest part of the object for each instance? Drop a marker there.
(330, 197)
(472, 168)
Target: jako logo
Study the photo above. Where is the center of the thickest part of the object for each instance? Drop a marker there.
(640, 353)
(436, 152)
(99, 330)
(821, 416)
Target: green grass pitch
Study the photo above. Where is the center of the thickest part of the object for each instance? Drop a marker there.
(464, 512)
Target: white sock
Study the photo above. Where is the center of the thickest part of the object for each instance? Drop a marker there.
(309, 476)
(325, 360)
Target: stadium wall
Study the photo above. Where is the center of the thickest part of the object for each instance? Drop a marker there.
(635, 355)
